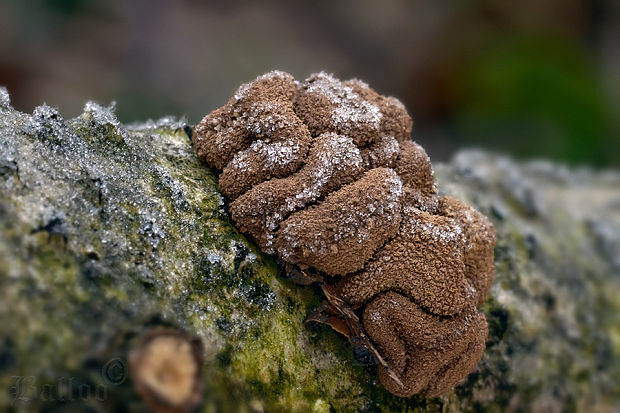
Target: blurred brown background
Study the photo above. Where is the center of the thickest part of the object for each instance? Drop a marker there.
(532, 78)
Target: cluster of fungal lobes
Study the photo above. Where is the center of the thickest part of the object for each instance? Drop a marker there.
(324, 175)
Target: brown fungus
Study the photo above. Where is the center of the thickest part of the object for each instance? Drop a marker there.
(323, 174)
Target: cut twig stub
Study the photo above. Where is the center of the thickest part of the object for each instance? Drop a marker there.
(166, 370)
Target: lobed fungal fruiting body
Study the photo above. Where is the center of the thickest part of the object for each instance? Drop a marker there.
(323, 174)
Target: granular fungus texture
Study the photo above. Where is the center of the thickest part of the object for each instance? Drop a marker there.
(323, 174)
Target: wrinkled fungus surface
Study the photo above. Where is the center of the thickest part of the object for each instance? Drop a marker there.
(323, 174)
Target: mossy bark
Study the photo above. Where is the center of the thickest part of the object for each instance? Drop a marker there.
(108, 230)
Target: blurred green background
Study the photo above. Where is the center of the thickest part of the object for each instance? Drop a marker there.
(532, 78)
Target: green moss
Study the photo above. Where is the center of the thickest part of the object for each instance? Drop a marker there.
(106, 232)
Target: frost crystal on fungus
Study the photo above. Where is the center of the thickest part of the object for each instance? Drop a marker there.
(323, 174)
